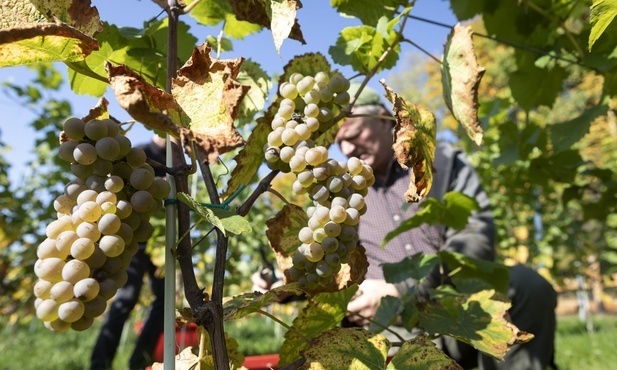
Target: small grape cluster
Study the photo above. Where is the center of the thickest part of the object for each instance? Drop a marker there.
(337, 189)
(102, 217)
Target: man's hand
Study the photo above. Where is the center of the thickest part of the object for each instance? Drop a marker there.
(263, 280)
(370, 293)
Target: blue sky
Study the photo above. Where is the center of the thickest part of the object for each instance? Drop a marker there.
(320, 25)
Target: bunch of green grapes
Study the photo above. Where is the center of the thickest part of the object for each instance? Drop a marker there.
(102, 216)
(337, 189)
(305, 111)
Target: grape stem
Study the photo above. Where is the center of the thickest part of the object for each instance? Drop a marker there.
(261, 188)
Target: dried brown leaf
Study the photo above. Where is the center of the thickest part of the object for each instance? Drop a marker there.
(414, 143)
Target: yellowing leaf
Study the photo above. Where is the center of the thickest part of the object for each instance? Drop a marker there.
(478, 319)
(461, 75)
(421, 353)
(147, 104)
(207, 91)
(414, 143)
(347, 348)
(98, 112)
(34, 31)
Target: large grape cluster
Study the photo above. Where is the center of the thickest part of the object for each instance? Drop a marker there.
(102, 216)
(337, 189)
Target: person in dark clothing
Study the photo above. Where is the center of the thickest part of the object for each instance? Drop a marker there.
(369, 137)
(127, 297)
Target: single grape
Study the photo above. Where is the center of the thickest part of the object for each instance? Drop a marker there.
(321, 172)
(160, 188)
(87, 195)
(88, 230)
(312, 97)
(102, 167)
(83, 323)
(95, 129)
(295, 78)
(326, 95)
(313, 157)
(322, 214)
(66, 150)
(49, 269)
(125, 145)
(90, 211)
(310, 210)
(305, 235)
(141, 179)
(288, 90)
(58, 226)
(123, 209)
(319, 234)
(63, 204)
(319, 193)
(47, 310)
(107, 148)
(356, 201)
(297, 188)
(294, 273)
(111, 245)
(313, 124)
(120, 278)
(61, 292)
(329, 244)
(81, 171)
(287, 153)
(285, 112)
(73, 189)
(306, 178)
(289, 136)
(347, 233)
(338, 214)
(337, 83)
(74, 128)
(332, 228)
(297, 163)
(353, 217)
(75, 270)
(304, 132)
(107, 288)
(85, 153)
(86, 289)
(136, 157)
(71, 311)
(358, 182)
(342, 98)
(82, 248)
(47, 249)
(323, 269)
(312, 111)
(142, 201)
(305, 85)
(42, 288)
(334, 184)
(275, 137)
(299, 261)
(126, 233)
(96, 182)
(106, 196)
(339, 201)
(313, 252)
(97, 306)
(112, 127)
(333, 259)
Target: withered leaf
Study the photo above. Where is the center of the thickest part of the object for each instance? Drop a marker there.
(144, 102)
(261, 13)
(99, 111)
(208, 93)
(460, 78)
(414, 143)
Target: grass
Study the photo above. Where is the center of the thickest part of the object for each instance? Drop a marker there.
(34, 347)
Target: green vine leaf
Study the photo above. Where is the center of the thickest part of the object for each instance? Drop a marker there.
(208, 93)
(477, 319)
(603, 12)
(421, 353)
(453, 212)
(32, 32)
(461, 75)
(347, 348)
(387, 313)
(223, 219)
(417, 266)
(475, 274)
(213, 12)
(246, 304)
(251, 74)
(361, 47)
(414, 143)
(323, 312)
(368, 11)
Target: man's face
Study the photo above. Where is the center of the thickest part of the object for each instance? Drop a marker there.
(369, 139)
